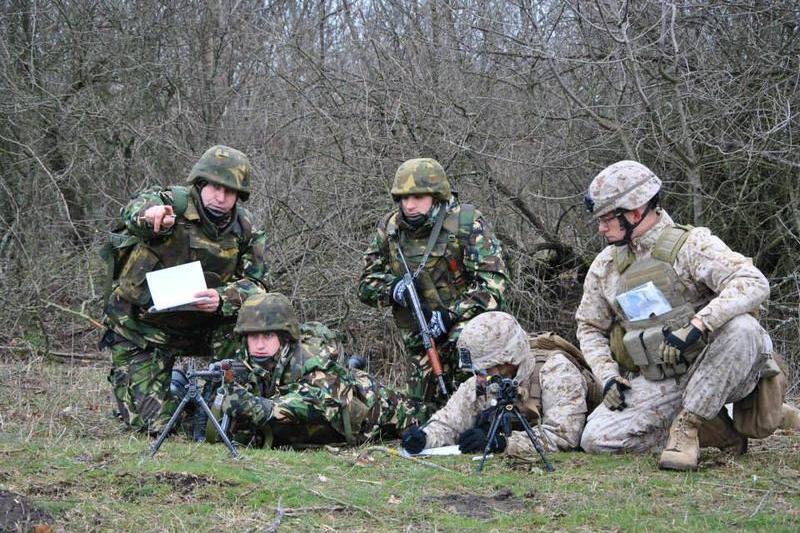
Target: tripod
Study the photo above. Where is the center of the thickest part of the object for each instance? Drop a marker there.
(193, 393)
(502, 415)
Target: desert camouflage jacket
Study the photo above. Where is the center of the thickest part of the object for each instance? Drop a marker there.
(704, 263)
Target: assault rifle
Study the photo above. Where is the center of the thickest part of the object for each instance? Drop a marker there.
(424, 329)
(221, 371)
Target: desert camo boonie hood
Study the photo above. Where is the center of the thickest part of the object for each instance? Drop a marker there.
(267, 312)
(224, 166)
(625, 185)
(421, 176)
(495, 338)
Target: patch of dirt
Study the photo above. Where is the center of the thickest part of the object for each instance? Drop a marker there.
(477, 506)
(17, 513)
(181, 482)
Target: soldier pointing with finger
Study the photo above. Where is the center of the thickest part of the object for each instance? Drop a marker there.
(203, 221)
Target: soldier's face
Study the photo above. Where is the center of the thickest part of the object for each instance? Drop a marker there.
(416, 204)
(218, 198)
(506, 370)
(264, 344)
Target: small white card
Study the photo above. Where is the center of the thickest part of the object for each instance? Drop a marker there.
(176, 286)
(644, 301)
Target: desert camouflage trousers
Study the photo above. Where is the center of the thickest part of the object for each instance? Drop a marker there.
(140, 380)
(359, 408)
(727, 371)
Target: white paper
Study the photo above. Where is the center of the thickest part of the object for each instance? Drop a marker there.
(644, 301)
(176, 286)
(442, 450)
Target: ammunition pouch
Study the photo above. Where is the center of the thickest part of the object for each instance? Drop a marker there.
(642, 344)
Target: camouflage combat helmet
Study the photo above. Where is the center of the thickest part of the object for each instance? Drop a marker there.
(225, 166)
(494, 338)
(624, 185)
(421, 176)
(267, 312)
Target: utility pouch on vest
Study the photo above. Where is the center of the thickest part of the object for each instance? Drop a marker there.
(643, 339)
(759, 414)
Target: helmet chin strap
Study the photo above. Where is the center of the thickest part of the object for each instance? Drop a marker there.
(628, 227)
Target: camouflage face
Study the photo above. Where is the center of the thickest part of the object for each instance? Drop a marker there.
(494, 338)
(624, 185)
(267, 312)
(225, 166)
(421, 176)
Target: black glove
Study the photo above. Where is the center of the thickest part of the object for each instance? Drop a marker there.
(398, 291)
(677, 342)
(474, 440)
(356, 362)
(414, 439)
(439, 321)
(614, 393)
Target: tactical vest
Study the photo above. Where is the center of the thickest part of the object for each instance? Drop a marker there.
(635, 344)
(186, 243)
(443, 278)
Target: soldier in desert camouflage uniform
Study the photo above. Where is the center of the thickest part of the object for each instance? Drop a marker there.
(165, 227)
(463, 275)
(298, 393)
(668, 373)
(556, 391)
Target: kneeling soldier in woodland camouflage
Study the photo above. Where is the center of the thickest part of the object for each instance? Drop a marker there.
(456, 260)
(667, 322)
(556, 390)
(165, 227)
(298, 393)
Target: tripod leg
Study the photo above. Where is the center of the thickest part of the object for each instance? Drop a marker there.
(535, 441)
(199, 400)
(498, 417)
(174, 418)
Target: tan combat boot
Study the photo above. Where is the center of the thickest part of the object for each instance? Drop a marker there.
(683, 446)
(791, 417)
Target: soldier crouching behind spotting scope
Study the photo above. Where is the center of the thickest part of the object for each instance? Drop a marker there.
(296, 392)
(554, 391)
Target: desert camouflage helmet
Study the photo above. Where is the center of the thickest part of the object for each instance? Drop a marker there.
(494, 338)
(421, 176)
(225, 166)
(624, 185)
(267, 312)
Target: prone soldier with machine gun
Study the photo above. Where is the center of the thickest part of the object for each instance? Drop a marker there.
(541, 383)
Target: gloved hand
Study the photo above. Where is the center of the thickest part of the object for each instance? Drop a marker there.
(356, 362)
(677, 342)
(398, 291)
(239, 403)
(413, 439)
(614, 393)
(474, 440)
(439, 321)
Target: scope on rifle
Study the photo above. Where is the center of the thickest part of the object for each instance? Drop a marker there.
(504, 389)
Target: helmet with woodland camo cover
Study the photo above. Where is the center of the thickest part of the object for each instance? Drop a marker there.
(224, 166)
(625, 185)
(494, 338)
(267, 312)
(421, 176)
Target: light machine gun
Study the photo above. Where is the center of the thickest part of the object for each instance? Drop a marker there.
(506, 390)
(221, 371)
(424, 329)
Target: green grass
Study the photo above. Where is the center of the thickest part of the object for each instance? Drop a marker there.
(59, 448)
